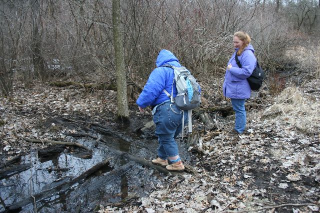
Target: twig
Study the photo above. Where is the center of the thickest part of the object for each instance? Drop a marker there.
(276, 206)
(34, 204)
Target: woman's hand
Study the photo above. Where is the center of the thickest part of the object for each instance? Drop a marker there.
(229, 67)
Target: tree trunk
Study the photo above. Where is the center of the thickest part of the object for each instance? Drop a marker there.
(123, 111)
(278, 2)
(38, 61)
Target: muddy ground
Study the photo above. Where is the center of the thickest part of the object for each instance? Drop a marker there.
(273, 167)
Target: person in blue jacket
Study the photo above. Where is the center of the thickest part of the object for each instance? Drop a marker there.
(166, 116)
(236, 86)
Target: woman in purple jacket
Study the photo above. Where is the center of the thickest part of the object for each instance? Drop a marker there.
(236, 86)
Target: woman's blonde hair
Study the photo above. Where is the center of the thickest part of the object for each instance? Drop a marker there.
(243, 37)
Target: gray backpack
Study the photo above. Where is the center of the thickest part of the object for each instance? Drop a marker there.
(188, 92)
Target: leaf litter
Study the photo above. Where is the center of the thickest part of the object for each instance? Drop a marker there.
(274, 167)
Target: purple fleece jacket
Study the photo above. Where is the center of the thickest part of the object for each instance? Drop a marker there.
(235, 83)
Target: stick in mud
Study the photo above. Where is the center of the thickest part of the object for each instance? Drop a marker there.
(59, 188)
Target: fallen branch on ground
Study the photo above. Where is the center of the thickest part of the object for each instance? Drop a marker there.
(8, 172)
(11, 161)
(276, 206)
(57, 142)
(59, 188)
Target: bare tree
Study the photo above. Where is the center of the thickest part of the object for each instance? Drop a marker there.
(71, 38)
(278, 3)
(12, 20)
(123, 112)
(38, 60)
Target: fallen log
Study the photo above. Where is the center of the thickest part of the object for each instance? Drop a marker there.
(144, 162)
(107, 131)
(11, 161)
(57, 142)
(10, 171)
(151, 165)
(82, 134)
(59, 188)
(50, 152)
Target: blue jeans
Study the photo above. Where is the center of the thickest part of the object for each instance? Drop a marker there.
(168, 120)
(241, 117)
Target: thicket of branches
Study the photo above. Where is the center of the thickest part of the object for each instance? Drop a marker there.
(59, 39)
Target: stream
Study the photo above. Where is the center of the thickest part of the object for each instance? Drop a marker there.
(117, 182)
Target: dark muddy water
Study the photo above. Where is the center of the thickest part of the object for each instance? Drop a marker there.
(121, 179)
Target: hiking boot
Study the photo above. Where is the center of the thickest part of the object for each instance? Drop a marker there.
(160, 162)
(175, 166)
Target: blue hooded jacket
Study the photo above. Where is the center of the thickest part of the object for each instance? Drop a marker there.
(160, 78)
(235, 83)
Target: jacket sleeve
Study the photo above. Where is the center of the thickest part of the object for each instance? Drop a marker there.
(153, 88)
(248, 62)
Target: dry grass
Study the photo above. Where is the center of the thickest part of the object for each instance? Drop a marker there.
(293, 109)
(308, 59)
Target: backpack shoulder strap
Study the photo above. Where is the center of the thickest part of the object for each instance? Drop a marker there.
(239, 64)
(167, 65)
(165, 91)
(237, 61)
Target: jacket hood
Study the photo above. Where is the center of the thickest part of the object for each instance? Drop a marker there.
(249, 47)
(165, 56)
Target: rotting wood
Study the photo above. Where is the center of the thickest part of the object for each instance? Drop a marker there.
(142, 161)
(131, 157)
(59, 188)
(57, 142)
(106, 131)
(10, 171)
(151, 165)
(193, 138)
(82, 134)
(207, 120)
(11, 161)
